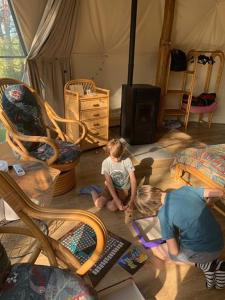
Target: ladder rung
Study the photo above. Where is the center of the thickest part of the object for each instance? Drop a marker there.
(174, 112)
(186, 71)
(190, 72)
(178, 92)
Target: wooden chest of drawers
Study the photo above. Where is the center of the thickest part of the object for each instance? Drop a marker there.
(93, 110)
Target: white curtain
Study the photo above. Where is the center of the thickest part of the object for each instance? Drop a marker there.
(48, 59)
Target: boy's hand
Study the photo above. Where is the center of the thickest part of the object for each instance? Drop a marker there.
(122, 207)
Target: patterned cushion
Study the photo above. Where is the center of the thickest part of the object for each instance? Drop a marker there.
(68, 152)
(27, 281)
(24, 112)
(4, 265)
(209, 160)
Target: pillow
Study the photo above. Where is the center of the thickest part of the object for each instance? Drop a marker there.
(24, 112)
(5, 265)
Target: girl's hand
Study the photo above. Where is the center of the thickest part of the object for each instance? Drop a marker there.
(130, 206)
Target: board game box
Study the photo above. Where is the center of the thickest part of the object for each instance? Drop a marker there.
(133, 260)
(81, 241)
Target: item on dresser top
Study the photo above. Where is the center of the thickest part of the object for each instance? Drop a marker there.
(78, 88)
(4, 166)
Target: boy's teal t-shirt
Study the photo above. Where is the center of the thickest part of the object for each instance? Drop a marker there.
(185, 214)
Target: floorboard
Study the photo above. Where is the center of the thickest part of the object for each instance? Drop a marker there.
(156, 279)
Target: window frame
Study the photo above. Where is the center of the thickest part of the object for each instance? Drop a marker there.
(18, 33)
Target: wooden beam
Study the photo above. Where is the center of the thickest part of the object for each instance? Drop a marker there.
(164, 53)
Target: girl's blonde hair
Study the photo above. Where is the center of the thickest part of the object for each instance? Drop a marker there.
(148, 200)
(115, 148)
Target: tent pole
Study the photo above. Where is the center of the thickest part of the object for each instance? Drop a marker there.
(164, 52)
(132, 41)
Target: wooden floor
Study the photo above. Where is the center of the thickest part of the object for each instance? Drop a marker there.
(156, 279)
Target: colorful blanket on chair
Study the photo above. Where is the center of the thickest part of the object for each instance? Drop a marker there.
(209, 160)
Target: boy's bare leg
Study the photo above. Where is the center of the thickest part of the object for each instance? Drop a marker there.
(99, 200)
(111, 205)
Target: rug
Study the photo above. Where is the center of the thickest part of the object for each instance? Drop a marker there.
(165, 148)
(155, 151)
(81, 241)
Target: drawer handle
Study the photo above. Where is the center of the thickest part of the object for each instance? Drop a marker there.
(96, 105)
(96, 124)
(96, 115)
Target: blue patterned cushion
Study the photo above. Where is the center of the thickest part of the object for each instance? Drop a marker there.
(24, 112)
(68, 152)
(36, 282)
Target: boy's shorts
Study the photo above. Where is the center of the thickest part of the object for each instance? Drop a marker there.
(186, 255)
(123, 195)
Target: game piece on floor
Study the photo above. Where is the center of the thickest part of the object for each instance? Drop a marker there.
(81, 241)
(88, 189)
(128, 216)
(148, 231)
(133, 260)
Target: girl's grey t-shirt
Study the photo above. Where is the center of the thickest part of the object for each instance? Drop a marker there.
(118, 171)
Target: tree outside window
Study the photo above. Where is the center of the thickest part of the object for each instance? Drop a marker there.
(12, 49)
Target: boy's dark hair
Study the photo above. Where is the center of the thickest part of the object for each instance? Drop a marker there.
(115, 148)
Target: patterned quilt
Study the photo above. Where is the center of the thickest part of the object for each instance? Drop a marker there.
(209, 160)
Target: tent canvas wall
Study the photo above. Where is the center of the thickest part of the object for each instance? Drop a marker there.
(101, 40)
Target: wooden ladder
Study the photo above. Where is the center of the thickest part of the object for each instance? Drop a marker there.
(188, 79)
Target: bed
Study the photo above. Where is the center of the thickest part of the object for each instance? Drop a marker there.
(207, 164)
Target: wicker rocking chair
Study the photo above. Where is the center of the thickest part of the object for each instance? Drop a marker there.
(33, 133)
(42, 282)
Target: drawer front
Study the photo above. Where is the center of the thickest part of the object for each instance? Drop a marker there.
(95, 138)
(95, 103)
(96, 124)
(93, 114)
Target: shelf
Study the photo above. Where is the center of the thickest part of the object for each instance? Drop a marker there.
(174, 112)
(189, 72)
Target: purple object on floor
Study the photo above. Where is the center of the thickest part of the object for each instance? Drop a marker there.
(88, 189)
(146, 244)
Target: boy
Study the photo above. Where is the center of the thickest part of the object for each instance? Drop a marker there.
(120, 183)
(190, 230)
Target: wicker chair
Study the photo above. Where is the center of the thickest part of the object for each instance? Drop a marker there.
(56, 253)
(34, 140)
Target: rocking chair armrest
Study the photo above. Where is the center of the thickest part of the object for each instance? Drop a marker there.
(81, 216)
(68, 258)
(54, 117)
(40, 139)
(81, 124)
